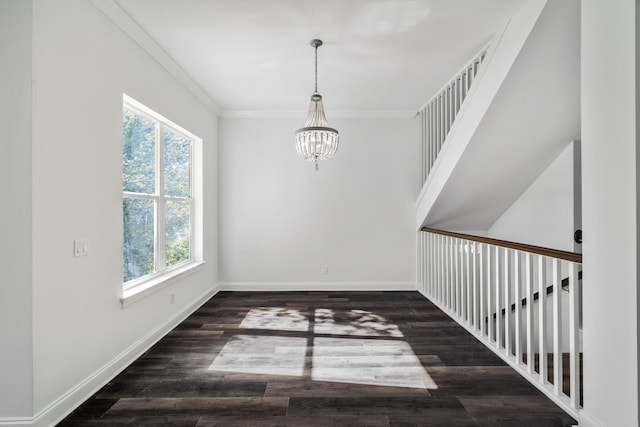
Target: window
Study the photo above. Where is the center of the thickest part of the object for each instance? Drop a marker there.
(158, 194)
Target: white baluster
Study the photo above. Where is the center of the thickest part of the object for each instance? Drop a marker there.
(429, 136)
(446, 113)
(529, 311)
(422, 259)
(518, 313)
(455, 276)
(452, 106)
(474, 304)
(452, 278)
(439, 122)
(489, 298)
(432, 142)
(427, 264)
(464, 85)
(482, 288)
(423, 148)
(557, 327)
(460, 302)
(542, 318)
(434, 266)
(436, 290)
(441, 251)
(468, 281)
(574, 350)
(421, 152)
(447, 271)
(497, 309)
(429, 130)
(507, 300)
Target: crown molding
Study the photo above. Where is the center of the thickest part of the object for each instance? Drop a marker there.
(242, 114)
(114, 12)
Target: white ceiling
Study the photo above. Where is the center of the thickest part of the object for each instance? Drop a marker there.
(379, 56)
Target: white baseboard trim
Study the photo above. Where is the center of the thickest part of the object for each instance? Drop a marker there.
(317, 286)
(589, 421)
(16, 422)
(63, 406)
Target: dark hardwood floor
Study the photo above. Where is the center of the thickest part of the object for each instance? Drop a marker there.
(318, 359)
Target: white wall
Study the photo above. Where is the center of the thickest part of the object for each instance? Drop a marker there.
(543, 215)
(15, 214)
(82, 64)
(609, 214)
(512, 125)
(281, 221)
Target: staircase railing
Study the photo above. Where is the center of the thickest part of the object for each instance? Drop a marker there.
(473, 278)
(439, 113)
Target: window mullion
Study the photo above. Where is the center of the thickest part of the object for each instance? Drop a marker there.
(177, 198)
(132, 195)
(191, 203)
(191, 228)
(161, 210)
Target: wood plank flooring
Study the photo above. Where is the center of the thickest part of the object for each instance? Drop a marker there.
(318, 359)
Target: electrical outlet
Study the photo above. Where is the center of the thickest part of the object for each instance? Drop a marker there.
(80, 248)
(172, 298)
(325, 269)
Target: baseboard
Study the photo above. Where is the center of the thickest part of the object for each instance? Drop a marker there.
(317, 286)
(16, 422)
(589, 421)
(62, 407)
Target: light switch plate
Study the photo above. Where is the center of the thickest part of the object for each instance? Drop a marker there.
(80, 248)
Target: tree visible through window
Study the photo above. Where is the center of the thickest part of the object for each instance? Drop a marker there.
(157, 194)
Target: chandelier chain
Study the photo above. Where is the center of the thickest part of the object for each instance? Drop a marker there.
(316, 49)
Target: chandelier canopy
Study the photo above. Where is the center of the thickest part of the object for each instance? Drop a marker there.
(316, 140)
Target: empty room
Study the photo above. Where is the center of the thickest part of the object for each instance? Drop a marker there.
(319, 213)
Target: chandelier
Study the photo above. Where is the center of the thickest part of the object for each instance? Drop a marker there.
(316, 140)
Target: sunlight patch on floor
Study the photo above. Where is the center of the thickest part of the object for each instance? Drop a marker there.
(276, 318)
(371, 361)
(269, 355)
(353, 322)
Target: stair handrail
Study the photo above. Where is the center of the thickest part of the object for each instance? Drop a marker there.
(539, 250)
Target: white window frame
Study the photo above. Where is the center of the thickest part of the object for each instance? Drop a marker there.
(164, 275)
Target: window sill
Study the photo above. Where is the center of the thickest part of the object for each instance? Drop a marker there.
(145, 289)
